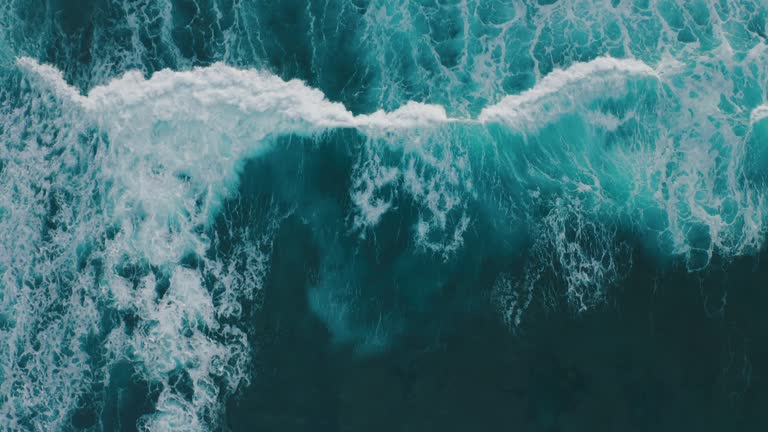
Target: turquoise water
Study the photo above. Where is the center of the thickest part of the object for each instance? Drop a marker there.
(383, 215)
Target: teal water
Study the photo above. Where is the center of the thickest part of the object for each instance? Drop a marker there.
(383, 215)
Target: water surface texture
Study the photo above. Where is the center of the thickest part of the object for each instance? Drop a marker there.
(383, 215)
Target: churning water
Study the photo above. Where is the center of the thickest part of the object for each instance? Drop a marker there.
(396, 215)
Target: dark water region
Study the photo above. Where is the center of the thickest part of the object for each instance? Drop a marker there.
(669, 350)
(665, 355)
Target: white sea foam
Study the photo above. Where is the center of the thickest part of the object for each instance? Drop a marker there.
(555, 93)
(293, 107)
(759, 113)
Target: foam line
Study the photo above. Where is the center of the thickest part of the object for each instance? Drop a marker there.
(603, 74)
(759, 113)
(292, 106)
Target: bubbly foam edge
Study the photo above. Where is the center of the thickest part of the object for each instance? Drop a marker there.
(297, 100)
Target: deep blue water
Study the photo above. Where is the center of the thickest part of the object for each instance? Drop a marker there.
(383, 215)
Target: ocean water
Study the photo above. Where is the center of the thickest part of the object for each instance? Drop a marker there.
(383, 215)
